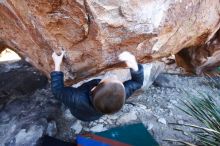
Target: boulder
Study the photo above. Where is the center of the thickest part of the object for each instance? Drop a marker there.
(201, 59)
(95, 32)
(19, 78)
(151, 72)
(28, 137)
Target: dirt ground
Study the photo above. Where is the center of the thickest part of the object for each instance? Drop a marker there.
(24, 118)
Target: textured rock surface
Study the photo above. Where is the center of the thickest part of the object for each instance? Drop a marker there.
(51, 128)
(19, 78)
(25, 118)
(200, 59)
(94, 32)
(28, 137)
(151, 71)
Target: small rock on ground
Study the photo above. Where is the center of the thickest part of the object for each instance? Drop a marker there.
(128, 117)
(77, 127)
(162, 120)
(51, 128)
(98, 128)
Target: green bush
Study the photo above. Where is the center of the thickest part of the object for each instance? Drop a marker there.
(206, 110)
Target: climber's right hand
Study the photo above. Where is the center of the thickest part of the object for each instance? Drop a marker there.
(58, 60)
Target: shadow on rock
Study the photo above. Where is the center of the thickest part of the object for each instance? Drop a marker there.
(19, 78)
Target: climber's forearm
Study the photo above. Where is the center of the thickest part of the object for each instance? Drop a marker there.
(57, 67)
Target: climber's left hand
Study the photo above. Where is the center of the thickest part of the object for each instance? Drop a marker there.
(129, 59)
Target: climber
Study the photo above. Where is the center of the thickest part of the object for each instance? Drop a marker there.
(97, 97)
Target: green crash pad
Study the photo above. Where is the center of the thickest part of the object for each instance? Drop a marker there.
(218, 68)
(135, 135)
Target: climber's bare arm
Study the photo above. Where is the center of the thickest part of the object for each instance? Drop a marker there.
(58, 60)
(137, 74)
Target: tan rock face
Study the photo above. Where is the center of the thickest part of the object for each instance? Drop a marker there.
(201, 59)
(95, 32)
